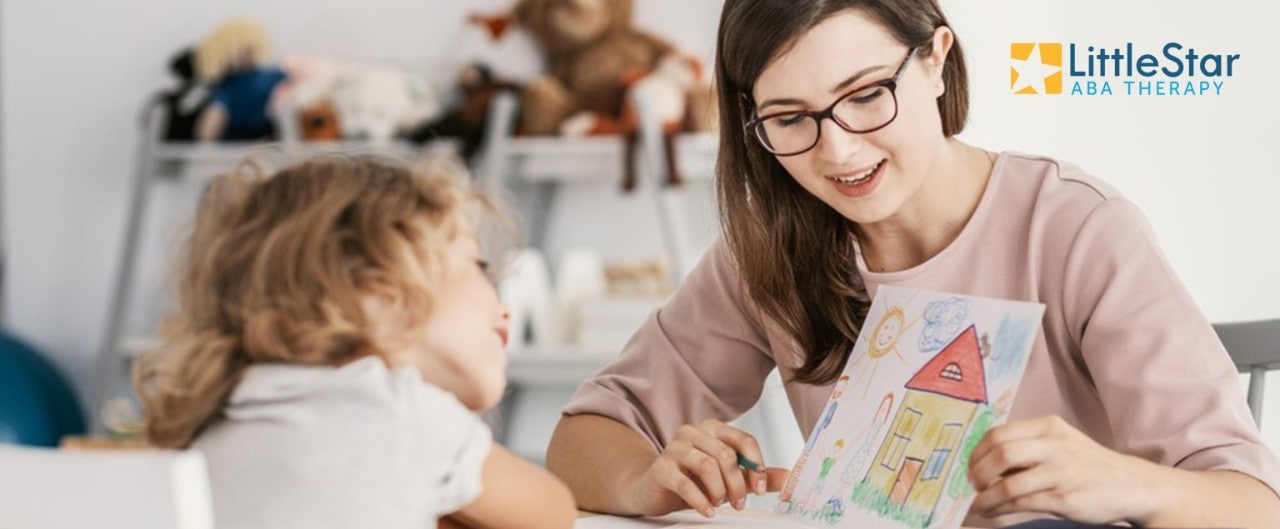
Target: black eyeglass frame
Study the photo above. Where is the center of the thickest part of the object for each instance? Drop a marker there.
(755, 127)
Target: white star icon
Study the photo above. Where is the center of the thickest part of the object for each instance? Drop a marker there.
(1032, 72)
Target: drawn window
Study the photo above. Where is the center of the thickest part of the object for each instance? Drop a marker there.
(952, 371)
(902, 431)
(942, 451)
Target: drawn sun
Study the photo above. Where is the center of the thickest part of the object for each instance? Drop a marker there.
(884, 340)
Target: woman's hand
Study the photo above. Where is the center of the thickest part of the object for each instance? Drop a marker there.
(1046, 465)
(699, 469)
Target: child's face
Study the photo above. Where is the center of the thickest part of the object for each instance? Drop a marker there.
(464, 349)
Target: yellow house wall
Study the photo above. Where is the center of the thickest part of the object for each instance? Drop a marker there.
(937, 411)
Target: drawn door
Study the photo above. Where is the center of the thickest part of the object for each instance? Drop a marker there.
(906, 479)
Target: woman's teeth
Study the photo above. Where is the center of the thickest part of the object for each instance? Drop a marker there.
(858, 178)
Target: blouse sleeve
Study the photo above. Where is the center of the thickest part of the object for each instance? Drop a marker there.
(1170, 390)
(702, 355)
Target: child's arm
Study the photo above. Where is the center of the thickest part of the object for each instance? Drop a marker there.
(516, 493)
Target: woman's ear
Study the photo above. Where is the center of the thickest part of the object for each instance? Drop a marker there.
(943, 38)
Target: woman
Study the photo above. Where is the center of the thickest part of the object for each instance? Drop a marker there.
(838, 173)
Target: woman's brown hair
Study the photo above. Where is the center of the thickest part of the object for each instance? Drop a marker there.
(275, 270)
(795, 254)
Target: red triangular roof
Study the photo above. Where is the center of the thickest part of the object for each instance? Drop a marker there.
(966, 354)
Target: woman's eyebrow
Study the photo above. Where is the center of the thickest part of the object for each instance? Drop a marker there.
(856, 76)
(841, 86)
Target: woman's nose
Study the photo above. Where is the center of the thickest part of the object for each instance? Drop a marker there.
(836, 145)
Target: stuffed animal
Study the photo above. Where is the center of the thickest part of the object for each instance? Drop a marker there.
(469, 118)
(231, 60)
(184, 103)
(673, 92)
(597, 65)
(592, 53)
(379, 103)
(318, 121)
(308, 96)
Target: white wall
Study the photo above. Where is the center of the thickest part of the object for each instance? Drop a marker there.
(75, 74)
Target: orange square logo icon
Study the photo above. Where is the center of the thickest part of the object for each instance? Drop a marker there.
(1035, 67)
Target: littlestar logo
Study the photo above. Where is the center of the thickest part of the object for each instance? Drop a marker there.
(1036, 67)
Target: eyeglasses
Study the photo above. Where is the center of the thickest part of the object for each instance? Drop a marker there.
(861, 110)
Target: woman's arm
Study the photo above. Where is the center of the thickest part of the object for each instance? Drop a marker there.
(597, 458)
(1211, 497)
(516, 493)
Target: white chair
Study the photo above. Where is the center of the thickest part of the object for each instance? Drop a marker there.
(1254, 346)
(103, 489)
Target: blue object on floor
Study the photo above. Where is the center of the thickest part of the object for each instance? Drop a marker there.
(37, 405)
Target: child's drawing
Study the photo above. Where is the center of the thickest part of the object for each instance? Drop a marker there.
(889, 327)
(907, 468)
(942, 320)
(824, 420)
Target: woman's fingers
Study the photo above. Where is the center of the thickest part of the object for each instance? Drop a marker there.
(744, 444)
(734, 483)
(668, 475)
(1006, 458)
(700, 466)
(703, 468)
(1016, 491)
(1007, 433)
(776, 478)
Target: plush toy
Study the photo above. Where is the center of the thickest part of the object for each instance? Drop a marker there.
(308, 96)
(674, 91)
(469, 118)
(231, 60)
(597, 65)
(592, 53)
(184, 103)
(379, 103)
(318, 121)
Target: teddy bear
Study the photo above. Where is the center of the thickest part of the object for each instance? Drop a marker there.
(591, 53)
(595, 60)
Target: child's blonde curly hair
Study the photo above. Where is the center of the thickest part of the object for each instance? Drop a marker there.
(276, 268)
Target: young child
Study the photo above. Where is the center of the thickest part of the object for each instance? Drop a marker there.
(334, 332)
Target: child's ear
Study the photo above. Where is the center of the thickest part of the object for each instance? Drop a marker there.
(379, 299)
(385, 318)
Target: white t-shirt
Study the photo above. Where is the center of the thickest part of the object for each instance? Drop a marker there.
(352, 447)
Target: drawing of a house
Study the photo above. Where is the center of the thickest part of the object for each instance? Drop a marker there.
(915, 459)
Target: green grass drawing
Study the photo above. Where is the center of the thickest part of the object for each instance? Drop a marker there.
(877, 501)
